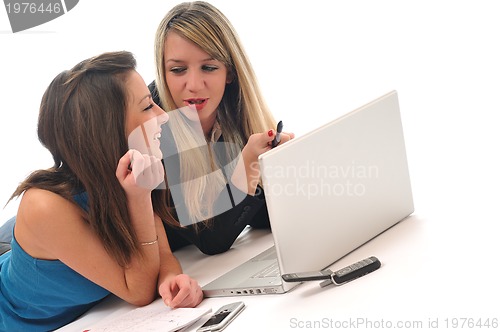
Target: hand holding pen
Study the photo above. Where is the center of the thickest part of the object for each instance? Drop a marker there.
(246, 175)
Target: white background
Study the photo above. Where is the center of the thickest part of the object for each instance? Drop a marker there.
(315, 60)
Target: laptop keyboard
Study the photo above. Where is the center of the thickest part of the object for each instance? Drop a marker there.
(269, 254)
(268, 272)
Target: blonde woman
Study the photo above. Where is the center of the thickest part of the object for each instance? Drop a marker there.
(202, 68)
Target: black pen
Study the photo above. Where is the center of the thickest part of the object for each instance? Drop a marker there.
(277, 139)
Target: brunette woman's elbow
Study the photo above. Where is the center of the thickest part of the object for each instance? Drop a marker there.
(141, 301)
(141, 296)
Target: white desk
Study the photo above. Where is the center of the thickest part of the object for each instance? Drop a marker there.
(423, 281)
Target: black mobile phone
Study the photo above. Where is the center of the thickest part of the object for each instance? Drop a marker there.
(356, 270)
(222, 317)
(339, 277)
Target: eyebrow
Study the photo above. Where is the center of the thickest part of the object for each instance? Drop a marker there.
(177, 60)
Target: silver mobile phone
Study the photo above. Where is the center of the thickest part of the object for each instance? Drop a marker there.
(222, 317)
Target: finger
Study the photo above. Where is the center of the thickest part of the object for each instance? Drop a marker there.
(198, 297)
(195, 295)
(141, 164)
(138, 164)
(271, 134)
(290, 135)
(187, 291)
(166, 294)
(262, 140)
(192, 298)
(157, 168)
(181, 296)
(285, 137)
(157, 173)
(153, 172)
(122, 168)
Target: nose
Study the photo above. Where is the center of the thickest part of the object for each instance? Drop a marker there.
(194, 81)
(162, 118)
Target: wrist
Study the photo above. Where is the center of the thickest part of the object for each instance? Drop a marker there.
(149, 243)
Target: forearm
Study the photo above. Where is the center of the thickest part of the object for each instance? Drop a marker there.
(225, 227)
(169, 268)
(169, 265)
(246, 175)
(142, 218)
(141, 274)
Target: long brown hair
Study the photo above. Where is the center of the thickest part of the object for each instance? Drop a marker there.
(82, 123)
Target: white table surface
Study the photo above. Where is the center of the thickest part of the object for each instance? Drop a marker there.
(429, 275)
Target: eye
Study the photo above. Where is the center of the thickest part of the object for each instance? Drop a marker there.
(209, 68)
(150, 106)
(177, 70)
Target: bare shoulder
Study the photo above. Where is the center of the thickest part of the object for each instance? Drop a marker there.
(44, 216)
(40, 197)
(43, 203)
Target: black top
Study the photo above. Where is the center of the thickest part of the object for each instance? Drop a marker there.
(225, 227)
(4, 247)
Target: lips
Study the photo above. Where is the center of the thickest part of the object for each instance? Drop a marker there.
(157, 136)
(198, 103)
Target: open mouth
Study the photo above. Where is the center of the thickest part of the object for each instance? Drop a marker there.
(198, 103)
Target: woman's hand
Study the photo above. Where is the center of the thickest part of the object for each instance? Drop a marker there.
(180, 291)
(285, 137)
(246, 175)
(139, 173)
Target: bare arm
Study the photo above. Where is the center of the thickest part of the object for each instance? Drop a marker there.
(51, 227)
(175, 288)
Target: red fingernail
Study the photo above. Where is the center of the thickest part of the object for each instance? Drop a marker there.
(270, 133)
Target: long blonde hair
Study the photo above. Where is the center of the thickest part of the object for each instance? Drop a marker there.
(242, 111)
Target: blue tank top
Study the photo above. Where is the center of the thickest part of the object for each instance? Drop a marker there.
(42, 295)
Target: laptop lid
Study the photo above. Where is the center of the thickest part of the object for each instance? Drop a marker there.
(335, 188)
(327, 193)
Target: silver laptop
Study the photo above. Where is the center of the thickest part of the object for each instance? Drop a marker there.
(327, 192)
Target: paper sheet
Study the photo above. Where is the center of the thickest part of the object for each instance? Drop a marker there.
(153, 317)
